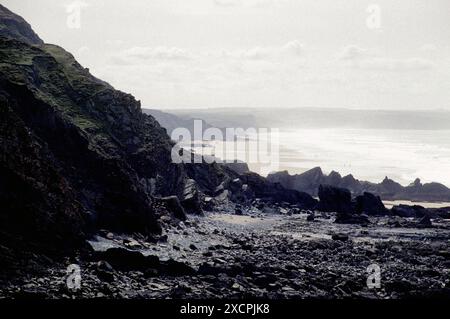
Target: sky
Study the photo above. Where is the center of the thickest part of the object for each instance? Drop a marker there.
(379, 54)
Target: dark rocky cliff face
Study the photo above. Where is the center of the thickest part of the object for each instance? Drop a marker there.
(37, 204)
(76, 154)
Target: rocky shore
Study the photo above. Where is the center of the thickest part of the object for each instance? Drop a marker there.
(253, 255)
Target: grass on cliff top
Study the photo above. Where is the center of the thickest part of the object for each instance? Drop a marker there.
(79, 77)
(54, 77)
(13, 52)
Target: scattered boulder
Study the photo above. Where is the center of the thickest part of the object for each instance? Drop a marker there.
(104, 271)
(370, 204)
(334, 199)
(210, 268)
(425, 222)
(223, 197)
(131, 243)
(125, 259)
(235, 185)
(109, 235)
(359, 219)
(163, 238)
(219, 189)
(191, 202)
(106, 276)
(104, 265)
(443, 212)
(396, 222)
(409, 211)
(172, 267)
(340, 237)
(269, 210)
(208, 203)
(174, 206)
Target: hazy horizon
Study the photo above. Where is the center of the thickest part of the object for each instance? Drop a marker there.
(258, 53)
(218, 108)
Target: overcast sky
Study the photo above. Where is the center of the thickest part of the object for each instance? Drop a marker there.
(390, 54)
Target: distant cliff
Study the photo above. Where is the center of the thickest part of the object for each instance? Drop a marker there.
(388, 189)
(171, 122)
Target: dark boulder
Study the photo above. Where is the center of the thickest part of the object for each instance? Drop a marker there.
(334, 199)
(310, 217)
(409, 211)
(425, 222)
(370, 205)
(104, 275)
(124, 259)
(174, 207)
(261, 188)
(210, 268)
(172, 267)
(340, 237)
(443, 212)
(191, 201)
(358, 219)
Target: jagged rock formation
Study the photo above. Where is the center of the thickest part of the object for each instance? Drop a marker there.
(333, 199)
(348, 211)
(275, 192)
(388, 189)
(339, 200)
(369, 204)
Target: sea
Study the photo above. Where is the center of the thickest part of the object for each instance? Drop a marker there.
(367, 154)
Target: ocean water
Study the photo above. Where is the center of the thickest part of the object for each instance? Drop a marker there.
(402, 155)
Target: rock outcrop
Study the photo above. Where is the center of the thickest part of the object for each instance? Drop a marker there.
(409, 211)
(274, 192)
(369, 204)
(388, 189)
(333, 199)
(356, 211)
